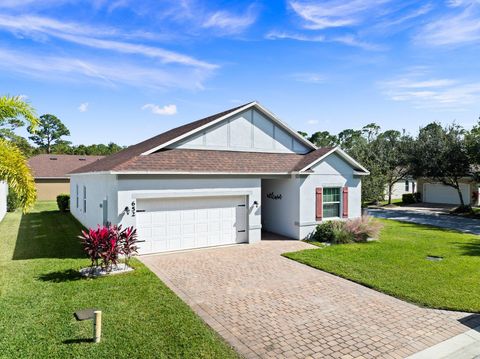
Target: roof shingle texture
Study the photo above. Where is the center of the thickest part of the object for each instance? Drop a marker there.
(199, 161)
(58, 166)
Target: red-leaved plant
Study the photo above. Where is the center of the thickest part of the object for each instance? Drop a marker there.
(105, 244)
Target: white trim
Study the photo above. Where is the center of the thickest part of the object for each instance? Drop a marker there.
(230, 114)
(344, 155)
(66, 178)
(189, 193)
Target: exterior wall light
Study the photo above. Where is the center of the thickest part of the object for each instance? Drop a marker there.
(255, 203)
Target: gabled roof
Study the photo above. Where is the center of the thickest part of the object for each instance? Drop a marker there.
(58, 166)
(154, 155)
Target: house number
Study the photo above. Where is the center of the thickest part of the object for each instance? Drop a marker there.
(272, 195)
(133, 209)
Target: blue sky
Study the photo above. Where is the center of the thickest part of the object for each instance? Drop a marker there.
(126, 70)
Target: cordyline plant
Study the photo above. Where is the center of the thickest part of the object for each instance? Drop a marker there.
(106, 244)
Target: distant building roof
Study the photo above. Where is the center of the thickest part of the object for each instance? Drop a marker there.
(58, 166)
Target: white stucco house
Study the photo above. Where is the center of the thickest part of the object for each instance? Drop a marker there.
(401, 187)
(219, 180)
(3, 199)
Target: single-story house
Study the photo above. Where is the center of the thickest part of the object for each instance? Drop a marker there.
(3, 199)
(401, 187)
(219, 180)
(51, 172)
(435, 192)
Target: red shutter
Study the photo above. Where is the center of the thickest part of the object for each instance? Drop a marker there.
(319, 203)
(345, 202)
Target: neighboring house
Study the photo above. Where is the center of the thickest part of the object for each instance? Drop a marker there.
(219, 180)
(51, 173)
(3, 199)
(401, 187)
(435, 192)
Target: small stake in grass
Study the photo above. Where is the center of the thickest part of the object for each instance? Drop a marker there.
(97, 326)
(96, 315)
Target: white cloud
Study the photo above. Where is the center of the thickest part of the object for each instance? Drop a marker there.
(334, 13)
(107, 71)
(167, 110)
(349, 40)
(312, 122)
(458, 27)
(230, 23)
(35, 26)
(424, 91)
(83, 107)
(309, 77)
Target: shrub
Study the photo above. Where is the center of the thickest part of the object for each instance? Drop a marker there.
(63, 202)
(341, 234)
(410, 198)
(13, 202)
(363, 228)
(324, 232)
(105, 244)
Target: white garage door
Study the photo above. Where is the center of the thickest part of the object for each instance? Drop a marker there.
(169, 224)
(439, 193)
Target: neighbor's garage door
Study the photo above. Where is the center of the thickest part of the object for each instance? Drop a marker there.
(439, 193)
(182, 223)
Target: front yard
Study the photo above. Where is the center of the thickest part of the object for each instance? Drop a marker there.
(397, 265)
(40, 289)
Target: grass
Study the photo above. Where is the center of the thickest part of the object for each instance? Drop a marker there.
(40, 289)
(395, 202)
(397, 265)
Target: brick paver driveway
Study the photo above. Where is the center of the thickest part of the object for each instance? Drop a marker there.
(268, 306)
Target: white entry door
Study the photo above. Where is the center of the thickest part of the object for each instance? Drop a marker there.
(168, 224)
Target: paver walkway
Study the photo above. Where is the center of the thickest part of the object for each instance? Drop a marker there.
(468, 225)
(268, 306)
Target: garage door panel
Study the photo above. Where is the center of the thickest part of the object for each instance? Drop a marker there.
(439, 193)
(182, 223)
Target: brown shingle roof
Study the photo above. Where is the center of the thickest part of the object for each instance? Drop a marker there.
(58, 166)
(129, 153)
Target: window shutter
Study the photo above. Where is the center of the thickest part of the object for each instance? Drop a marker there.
(345, 202)
(319, 203)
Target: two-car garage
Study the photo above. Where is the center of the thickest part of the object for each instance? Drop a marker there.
(168, 224)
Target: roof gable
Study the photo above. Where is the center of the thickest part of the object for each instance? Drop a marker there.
(250, 130)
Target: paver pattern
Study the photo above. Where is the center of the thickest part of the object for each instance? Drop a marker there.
(268, 306)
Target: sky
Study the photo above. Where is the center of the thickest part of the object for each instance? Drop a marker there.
(126, 70)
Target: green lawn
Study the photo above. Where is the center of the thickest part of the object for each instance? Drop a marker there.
(40, 289)
(396, 265)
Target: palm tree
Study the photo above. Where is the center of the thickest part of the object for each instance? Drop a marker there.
(14, 112)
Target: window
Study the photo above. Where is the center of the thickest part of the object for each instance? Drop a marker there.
(407, 186)
(84, 199)
(76, 197)
(331, 202)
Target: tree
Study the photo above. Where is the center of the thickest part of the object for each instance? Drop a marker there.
(442, 154)
(394, 157)
(50, 132)
(323, 139)
(14, 112)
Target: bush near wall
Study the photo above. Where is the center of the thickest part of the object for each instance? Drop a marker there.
(409, 198)
(63, 202)
(12, 201)
(353, 230)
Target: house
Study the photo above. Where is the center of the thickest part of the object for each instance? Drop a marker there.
(435, 192)
(401, 187)
(3, 199)
(51, 173)
(219, 180)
